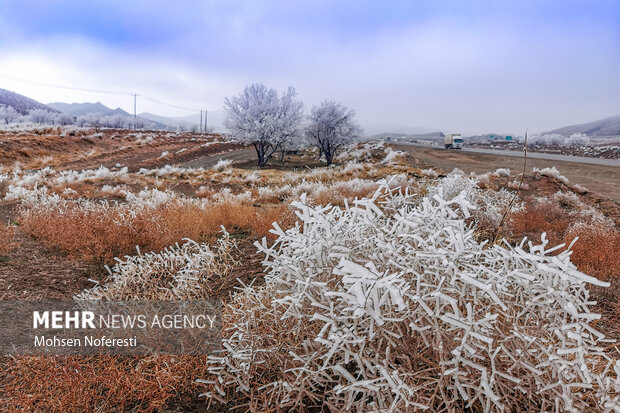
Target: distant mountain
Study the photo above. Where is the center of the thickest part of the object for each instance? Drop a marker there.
(80, 109)
(21, 103)
(607, 127)
(215, 120)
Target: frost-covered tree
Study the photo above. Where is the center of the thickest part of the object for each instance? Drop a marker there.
(331, 126)
(41, 116)
(65, 119)
(90, 119)
(115, 121)
(8, 114)
(263, 118)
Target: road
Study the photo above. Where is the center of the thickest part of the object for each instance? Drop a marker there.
(598, 175)
(533, 155)
(208, 161)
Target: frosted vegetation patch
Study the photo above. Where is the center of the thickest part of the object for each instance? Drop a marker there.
(553, 139)
(191, 271)
(223, 164)
(551, 173)
(490, 205)
(393, 305)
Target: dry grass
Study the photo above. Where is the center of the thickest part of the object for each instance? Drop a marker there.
(7, 239)
(597, 251)
(100, 383)
(337, 196)
(564, 219)
(537, 218)
(108, 230)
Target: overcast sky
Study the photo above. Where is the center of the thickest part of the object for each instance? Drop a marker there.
(457, 66)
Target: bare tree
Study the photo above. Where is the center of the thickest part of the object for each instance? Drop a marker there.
(261, 117)
(331, 126)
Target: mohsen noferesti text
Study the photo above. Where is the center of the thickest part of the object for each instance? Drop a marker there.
(87, 341)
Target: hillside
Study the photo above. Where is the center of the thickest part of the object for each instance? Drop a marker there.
(600, 128)
(79, 109)
(21, 103)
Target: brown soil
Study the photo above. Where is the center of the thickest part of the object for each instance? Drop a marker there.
(32, 272)
(108, 148)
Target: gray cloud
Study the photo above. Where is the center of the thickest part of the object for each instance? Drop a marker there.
(476, 69)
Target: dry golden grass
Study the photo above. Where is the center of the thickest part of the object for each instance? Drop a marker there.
(107, 231)
(7, 238)
(100, 383)
(339, 195)
(597, 251)
(537, 218)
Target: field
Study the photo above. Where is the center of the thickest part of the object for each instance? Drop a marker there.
(398, 225)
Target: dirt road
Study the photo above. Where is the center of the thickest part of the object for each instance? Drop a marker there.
(602, 179)
(210, 160)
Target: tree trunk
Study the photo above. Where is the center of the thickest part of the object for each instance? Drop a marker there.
(329, 157)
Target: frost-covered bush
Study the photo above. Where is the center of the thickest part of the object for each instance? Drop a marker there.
(223, 164)
(503, 172)
(366, 311)
(551, 173)
(392, 157)
(167, 170)
(191, 271)
(430, 173)
(22, 184)
(26, 195)
(490, 205)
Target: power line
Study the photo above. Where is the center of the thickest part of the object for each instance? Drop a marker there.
(169, 104)
(65, 87)
(110, 92)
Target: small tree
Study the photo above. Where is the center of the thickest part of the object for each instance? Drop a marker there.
(261, 117)
(94, 120)
(66, 119)
(8, 114)
(331, 126)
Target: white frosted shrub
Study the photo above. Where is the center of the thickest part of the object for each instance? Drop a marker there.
(392, 157)
(504, 172)
(551, 173)
(223, 164)
(15, 193)
(167, 170)
(430, 173)
(365, 311)
(490, 205)
(191, 271)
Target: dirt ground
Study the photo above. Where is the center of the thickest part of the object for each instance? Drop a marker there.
(603, 180)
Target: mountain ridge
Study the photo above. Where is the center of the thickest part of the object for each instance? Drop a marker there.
(80, 109)
(605, 127)
(21, 103)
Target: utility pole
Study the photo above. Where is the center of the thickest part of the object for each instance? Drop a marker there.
(134, 111)
(200, 120)
(206, 112)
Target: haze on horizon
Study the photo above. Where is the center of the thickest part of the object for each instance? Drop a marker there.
(456, 66)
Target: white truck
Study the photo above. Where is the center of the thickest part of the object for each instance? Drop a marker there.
(453, 141)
